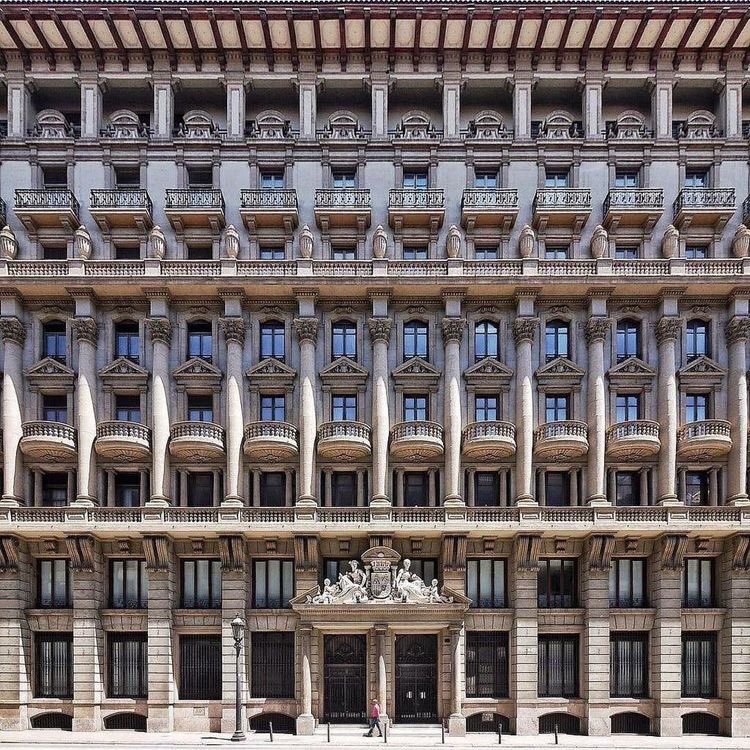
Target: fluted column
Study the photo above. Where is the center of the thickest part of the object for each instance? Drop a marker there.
(596, 333)
(86, 331)
(307, 332)
(667, 331)
(524, 330)
(453, 331)
(380, 334)
(380, 634)
(456, 721)
(306, 721)
(736, 334)
(161, 337)
(234, 333)
(14, 335)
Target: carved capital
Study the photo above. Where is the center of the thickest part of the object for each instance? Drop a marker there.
(234, 329)
(380, 329)
(13, 330)
(453, 330)
(160, 330)
(668, 329)
(85, 329)
(737, 329)
(524, 329)
(597, 329)
(306, 329)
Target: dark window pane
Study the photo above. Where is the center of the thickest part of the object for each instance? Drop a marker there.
(486, 665)
(128, 665)
(272, 671)
(200, 667)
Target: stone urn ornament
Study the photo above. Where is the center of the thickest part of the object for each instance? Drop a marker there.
(453, 242)
(305, 243)
(740, 242)
(82, 244)
(526, 242)
(8, 244)
(379, 243)
(670, 244)
(157, 243)
(599, 242)
(231, 242)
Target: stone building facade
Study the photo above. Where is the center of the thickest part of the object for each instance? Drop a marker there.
(283, 289)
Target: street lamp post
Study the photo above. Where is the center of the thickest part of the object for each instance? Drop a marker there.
(238, 633)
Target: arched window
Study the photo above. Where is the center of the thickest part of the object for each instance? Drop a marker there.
(697, 339)
(127, 340)
(272, 340)
(486, 340)
(628, 339)
(557, 339)
(344, 340)
(54, 340)
(200, 340)
(415, 339)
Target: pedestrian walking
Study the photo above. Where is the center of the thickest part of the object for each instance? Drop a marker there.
(375, 719)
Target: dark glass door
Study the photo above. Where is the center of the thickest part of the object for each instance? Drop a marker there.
(416, 679)
(345, 700)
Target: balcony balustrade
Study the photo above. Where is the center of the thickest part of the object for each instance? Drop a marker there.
(342, 207)
(344, 440)
(195, 207)
(197, 441)
(489, 441)
(705, 440)
(52, 207)
(269, 208)
(271, 441)
(408, 208)
(123, 441)
(417, 440)
(708, 207)
(121, 208)
(562, 207)
(560, 441)
(633, 207)
(634, 440)
(489, 208)
(49, 441)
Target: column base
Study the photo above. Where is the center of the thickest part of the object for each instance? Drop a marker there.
(10, 501)
(669, 500)
(380, 501)
(454, 501)
(526, 500)
(306, 501)
(738, 500)
(232, 501)
(457, 725)
(84, 501)
(305, 725)
(158, 501)
(598, 500)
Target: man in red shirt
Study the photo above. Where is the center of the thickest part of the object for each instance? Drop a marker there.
(375, 719)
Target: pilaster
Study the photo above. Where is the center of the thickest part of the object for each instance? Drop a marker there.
(13, 334)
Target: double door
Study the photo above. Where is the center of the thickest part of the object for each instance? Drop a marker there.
(416, 679)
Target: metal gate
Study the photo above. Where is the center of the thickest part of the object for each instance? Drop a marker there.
(345, 673)
(416, 679)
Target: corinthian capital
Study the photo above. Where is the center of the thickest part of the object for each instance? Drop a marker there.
(668, 329)
(597, 329)
(380, 329)
(85, 329)
(234, 329)
(737, 329)
(12, 329)
(160, 330)
(524, 329)
(306, 329)
(453, 329)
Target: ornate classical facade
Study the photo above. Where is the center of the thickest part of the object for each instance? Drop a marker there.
(417, 335)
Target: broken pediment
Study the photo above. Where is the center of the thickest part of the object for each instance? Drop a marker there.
(344, 371)
(49, 372)
(197, 371)
(271, 373)
(560, 372)
(702, 371)
(124, 372)
(487, 373)
(632, 372)
(416, 370)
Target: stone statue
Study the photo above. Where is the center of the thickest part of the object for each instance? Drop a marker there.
(526, 242)
(305, 243)
(379, 243)
(157, 243)
(354, 583)
(670, 244)
(453, 242)
(741, 242)
(82, 243)
(326, 596)
(409, 586)
(8, 244)
(231, 242)
(599, 242)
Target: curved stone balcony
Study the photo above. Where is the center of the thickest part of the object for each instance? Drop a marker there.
(561, 440)
(633, 440)
(271, 441)
(703, 440)
(123, 441)
(490, 441)
(49, 441)
(347, 440)
(417, 440)
(197, 441)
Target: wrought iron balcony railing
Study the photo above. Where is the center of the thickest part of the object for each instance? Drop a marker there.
(269, 199)
(53, 199)
(343, 198)
(194, 198)
(634, 198)
(121, 200)
(416, 199)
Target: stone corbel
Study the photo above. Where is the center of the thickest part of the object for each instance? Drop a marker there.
(306, 553)
(741, 552)
(81, 550)
(381, 540)
(673, 549)
(454, 552)
(8, 554)
(157, 550)
(232, 553)
(599, 549)
(527, 550)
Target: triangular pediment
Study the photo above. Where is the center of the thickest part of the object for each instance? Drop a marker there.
(488, 368)
(416, 366)
(561, 367)
(632, 367)
(703, 370)
(123, 367)
(344, 366)
(49, 368)
(272, 373)
(197, 369)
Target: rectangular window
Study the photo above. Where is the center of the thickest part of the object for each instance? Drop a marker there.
(343, 489)
(128, 584)
(201, 584)
(273, 583)
(699, 665)
(54, 252)
(627, 488)
(698, 583)
(55, 177)
(54, 589)
(486, 582)
(54, 665)
(272, 408)
(556, 583)
(696, 488)
(127, 408)
(344, 179)
(127, 665)
(557, 488)
(272, 180)
(200, 667)
(343, 407)
(558, 666)
(415, 180)
(626, 180)
(485, 408)
(200, 489)
(486, 253)
(628, 665)
(343, 253)
(627, 583)
(557, 407)
(628, 407)
(696, 252)
(559, 179)
(54, 408)
(200, 178)
(552, 252)
(697, 407)
(200, 407)
(272, 489)
(696, 178)
(415, 408)
(627, 252)
(199, 251)
(416, 489)
(272, 341)
(418, 252)
(272, 670)
(486, 489)
(54, 490)
(127, 490)
(486, 665)
(127, 252)
(272, 253)
(127, 178)
(486, 180)
(344, 340)
(128, 341)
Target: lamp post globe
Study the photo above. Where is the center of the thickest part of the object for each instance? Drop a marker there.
(238, 633)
